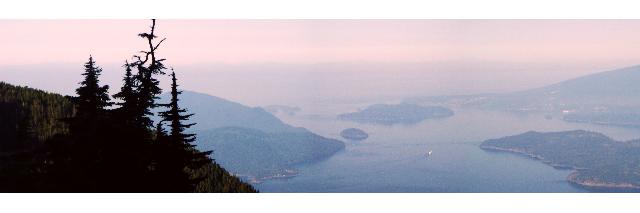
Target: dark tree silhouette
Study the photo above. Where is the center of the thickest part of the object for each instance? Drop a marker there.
(92, 98)
(147, 88)
(179, 155)
(175, 116)
(127, 95)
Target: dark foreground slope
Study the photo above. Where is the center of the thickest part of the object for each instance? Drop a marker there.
(29, 117)
(600, 163)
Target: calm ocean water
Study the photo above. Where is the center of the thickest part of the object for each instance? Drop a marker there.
(393, 158)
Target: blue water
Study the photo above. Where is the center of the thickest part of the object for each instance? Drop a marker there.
(393, 158)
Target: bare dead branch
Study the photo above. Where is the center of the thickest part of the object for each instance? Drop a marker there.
(157, 45)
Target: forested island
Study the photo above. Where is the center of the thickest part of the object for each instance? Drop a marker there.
(95, 142)
(354, 134)
(599, 162)
(389, 114)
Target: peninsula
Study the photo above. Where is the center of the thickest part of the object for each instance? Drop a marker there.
(599, 162)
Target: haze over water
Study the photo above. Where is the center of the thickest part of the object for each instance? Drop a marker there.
(393, 158)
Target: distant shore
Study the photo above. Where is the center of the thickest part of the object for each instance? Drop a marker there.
(284, 174)
(599, 185)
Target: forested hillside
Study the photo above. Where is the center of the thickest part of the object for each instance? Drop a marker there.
(29, 115)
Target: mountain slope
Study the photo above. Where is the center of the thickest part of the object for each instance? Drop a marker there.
(257, 154)
(615, 83)
(251, 141)
(35, 113)
(213, 112)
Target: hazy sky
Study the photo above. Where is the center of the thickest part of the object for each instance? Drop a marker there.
(312, 41)
(451, 56)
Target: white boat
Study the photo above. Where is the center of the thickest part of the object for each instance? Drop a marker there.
(429, 153)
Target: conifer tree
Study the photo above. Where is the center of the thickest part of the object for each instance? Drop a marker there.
(174, 115)
(179, 146)
(160, 133)
(148, 86)
(92, 98)
(127, 95)
(76, 164)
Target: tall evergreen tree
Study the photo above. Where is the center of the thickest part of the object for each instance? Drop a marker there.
(127, 94)
(175, 116)
(92, 98)
(180, 155)
(78, 158)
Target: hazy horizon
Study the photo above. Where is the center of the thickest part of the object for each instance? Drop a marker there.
(270, 83)
(262, 62)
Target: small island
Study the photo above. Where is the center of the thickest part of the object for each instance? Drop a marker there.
(389, 114)
(354, 134)
(599, 162)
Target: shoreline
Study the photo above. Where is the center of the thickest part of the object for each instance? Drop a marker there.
(283, 174)
(572, 178)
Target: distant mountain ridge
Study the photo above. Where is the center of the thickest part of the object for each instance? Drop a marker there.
(615, 87)
(606, 98)
(618, 83)
(212, 112)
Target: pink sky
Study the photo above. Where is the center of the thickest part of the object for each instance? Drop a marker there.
(597, 42)
(238, 59)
